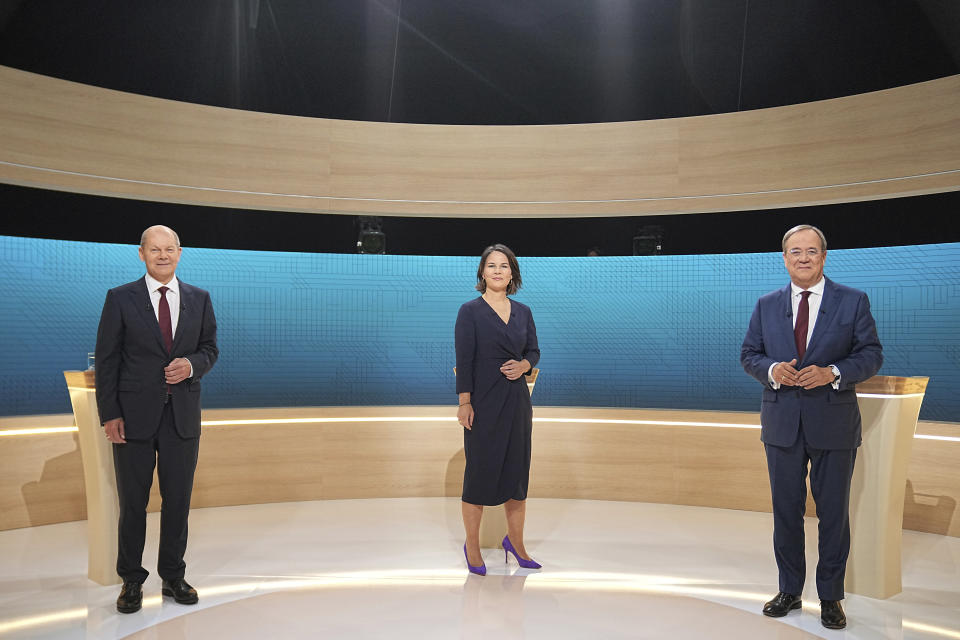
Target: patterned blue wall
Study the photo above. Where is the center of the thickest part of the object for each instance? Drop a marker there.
(319, 329)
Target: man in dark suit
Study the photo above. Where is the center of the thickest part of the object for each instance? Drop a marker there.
(157, 338)
(809, 344)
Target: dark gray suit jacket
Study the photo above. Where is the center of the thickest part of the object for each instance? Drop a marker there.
(131, 356)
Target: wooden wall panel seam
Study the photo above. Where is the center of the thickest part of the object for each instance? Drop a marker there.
(67, 136)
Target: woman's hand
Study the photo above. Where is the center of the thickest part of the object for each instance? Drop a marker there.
(513, 369)
(465, 415)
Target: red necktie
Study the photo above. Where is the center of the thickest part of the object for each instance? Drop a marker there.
(163, 317)
(803, 322)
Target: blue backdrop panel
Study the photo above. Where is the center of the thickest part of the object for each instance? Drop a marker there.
(319, 329)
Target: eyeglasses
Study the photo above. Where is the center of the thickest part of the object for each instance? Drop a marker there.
(796, 253)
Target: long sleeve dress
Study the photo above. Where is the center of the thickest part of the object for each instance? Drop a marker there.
(497, 448)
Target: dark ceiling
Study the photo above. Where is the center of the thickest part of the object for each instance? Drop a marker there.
(489, 61)
(483, 62)
(874, 223)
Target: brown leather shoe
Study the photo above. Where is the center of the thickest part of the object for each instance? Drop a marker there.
(131, 597)
(179, 590)
(781, 604)
(831, 614)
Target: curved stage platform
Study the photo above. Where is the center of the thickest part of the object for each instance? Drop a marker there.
(380, 568)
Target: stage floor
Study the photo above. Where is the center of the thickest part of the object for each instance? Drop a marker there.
(393, 568)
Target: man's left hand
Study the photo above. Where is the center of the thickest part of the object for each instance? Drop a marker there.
(177, 371)
(813, 376)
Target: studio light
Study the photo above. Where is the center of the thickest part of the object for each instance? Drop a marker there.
(648, 241)
(371, 238)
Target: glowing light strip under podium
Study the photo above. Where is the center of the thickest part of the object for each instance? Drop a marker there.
(367, 419)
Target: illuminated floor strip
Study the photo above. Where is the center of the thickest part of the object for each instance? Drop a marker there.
(932, 629)
(31, 622)
(691, 561)
(591, 581)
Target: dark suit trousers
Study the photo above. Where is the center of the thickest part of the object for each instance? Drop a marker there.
(831, 471)
(176, 460)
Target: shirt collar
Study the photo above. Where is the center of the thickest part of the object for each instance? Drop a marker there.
(153, 285)
(816, 289)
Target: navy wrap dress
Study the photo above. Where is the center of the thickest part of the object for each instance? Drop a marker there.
(498, 447)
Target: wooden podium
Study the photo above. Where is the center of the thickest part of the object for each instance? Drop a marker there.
(889, 407)
(103, 510)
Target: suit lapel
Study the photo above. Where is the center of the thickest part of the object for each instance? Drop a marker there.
(828, 309)
(188, 313)
(786, 313)
(141, 298)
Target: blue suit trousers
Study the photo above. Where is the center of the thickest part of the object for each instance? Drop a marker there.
(831, 471)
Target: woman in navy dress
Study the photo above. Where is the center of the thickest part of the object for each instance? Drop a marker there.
(496, 344)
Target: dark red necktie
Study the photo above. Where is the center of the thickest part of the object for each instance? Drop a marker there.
(800, 328)
(163, 317)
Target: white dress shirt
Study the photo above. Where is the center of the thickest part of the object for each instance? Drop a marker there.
(173, 301)
(813, 302)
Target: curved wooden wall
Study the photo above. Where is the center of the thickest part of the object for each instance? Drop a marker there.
(62, 135)
(328, 457)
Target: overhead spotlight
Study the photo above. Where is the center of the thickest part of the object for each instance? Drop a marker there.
(648, 241)
(371, 238)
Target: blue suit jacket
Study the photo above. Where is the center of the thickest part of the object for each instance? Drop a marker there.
(844, 335)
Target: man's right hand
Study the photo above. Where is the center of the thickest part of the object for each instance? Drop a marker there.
(114, 431)
(785, 374)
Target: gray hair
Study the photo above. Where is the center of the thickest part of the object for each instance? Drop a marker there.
(804, 227)
(157, 227)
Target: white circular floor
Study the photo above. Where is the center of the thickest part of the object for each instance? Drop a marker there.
(393, 568)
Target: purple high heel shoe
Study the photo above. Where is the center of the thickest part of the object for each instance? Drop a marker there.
(480, 571)
(526, 564)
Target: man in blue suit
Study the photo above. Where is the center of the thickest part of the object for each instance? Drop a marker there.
(157, 338)
(809, 344)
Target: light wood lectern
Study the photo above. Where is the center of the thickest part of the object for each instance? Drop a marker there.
(889, 407)
(103, 509)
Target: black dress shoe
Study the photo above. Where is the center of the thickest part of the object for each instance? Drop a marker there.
(831, 614)
(781, 604)
(131, 597)
(179, 590)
